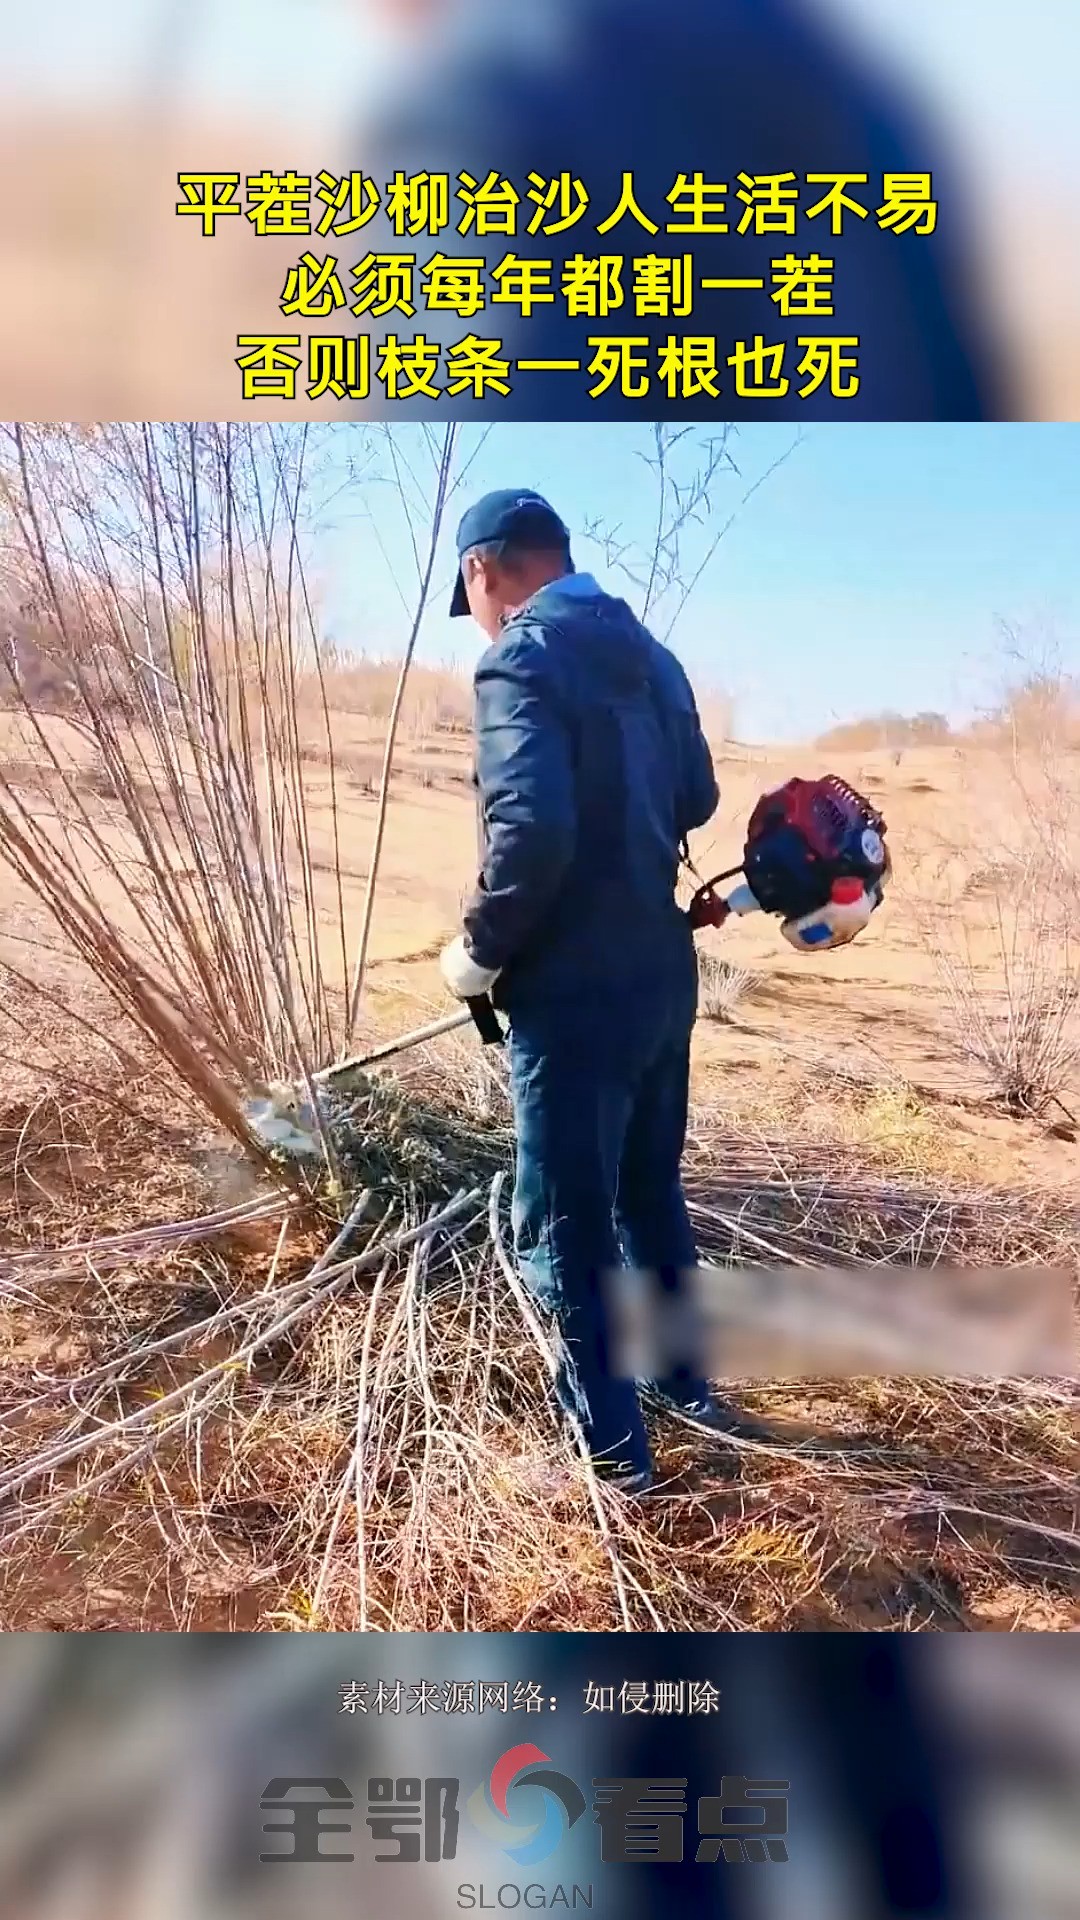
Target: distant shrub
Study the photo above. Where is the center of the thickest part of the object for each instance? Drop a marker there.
(891, 731)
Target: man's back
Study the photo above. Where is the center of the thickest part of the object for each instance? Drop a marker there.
(592, 769)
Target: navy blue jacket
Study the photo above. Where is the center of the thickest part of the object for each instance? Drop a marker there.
(591, 769)
(596, 87)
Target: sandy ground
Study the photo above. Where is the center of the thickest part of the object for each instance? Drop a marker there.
(863, 1047)
(880, 1010)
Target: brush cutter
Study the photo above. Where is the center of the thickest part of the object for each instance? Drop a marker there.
(815, 857)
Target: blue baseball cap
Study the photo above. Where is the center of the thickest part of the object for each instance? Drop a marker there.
(514, 514)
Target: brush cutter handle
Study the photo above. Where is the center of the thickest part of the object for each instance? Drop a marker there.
(707, 909)
(486, 1020)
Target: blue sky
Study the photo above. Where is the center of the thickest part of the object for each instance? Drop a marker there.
(870, 571)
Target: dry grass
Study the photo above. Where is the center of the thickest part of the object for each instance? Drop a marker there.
(250, 1428)
(722, 986)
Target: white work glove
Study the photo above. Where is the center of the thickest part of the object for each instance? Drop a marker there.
(833, 925)
(465, 979)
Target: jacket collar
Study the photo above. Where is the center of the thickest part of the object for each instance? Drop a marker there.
(575, 586)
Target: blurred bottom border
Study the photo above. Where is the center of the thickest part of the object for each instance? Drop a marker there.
(169, 1777)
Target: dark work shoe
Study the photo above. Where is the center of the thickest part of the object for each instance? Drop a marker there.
(707, 1412)
(632, 1482)
(633, 1485)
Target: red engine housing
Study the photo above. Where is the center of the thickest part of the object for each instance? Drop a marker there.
(807, 842)
(825, 812)
(806, 836)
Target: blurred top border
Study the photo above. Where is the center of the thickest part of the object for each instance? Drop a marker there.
(564, 209)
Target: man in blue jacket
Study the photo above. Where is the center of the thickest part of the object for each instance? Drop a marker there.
(591, 769)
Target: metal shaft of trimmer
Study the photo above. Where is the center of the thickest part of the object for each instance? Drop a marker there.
(448, 1024)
